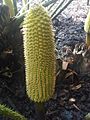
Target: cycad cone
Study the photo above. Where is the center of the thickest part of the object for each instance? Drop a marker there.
(87, 29)
(39, 54)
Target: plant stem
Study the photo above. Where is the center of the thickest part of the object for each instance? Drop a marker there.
(15, 6)
(88, 39)
(40, 111)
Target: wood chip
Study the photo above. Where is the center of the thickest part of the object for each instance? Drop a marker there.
(76, 87)
(72, 100)
(64, 65)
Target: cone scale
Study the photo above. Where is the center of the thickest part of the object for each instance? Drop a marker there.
(39, 54)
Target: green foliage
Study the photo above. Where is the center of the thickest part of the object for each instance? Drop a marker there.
(15, 6)
(10, 4)
(55, 7)
(87, 117)
(7, 112)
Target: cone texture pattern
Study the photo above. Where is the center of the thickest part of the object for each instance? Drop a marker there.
(39, 54)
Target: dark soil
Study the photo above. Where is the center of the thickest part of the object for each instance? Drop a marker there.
(71, 100)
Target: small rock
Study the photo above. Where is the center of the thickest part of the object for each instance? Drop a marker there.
(72, 100)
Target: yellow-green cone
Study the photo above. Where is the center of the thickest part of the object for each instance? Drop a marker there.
(87, 29)
(87, 23)
(39, 54)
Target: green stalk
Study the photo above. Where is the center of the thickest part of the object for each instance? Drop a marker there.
(88, 39)
(87, 29)
(24, 3)
(40, 111)
(7, 112)
(10, 4)
(15, 6)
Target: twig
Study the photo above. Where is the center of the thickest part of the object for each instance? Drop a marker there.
(52, 112)
(76, 107)
(57, 73)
